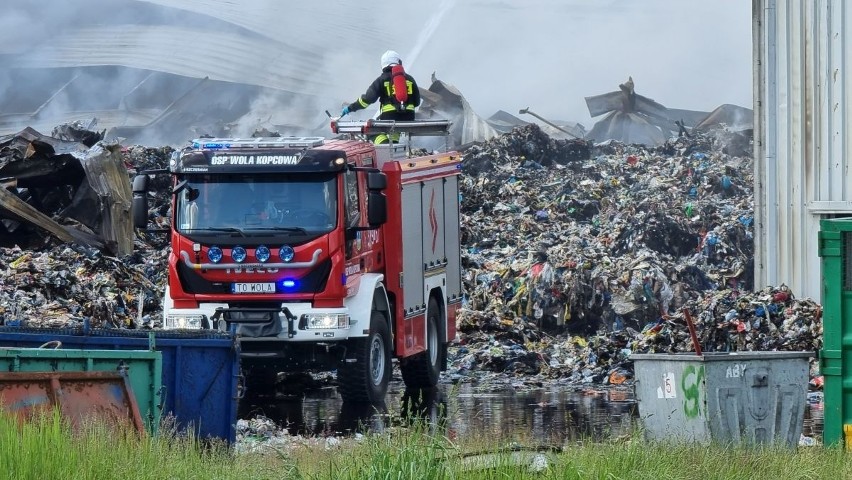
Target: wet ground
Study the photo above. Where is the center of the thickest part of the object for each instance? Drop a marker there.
(545, 416)
(542, 416)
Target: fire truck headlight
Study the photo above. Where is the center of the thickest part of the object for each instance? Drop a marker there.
(238, 253)
(325, 320)
(262, 253)
(286, 253)
(184, 321)
(214, 254)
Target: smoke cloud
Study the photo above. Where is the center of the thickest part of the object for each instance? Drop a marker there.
(549, 55)
(298, 59)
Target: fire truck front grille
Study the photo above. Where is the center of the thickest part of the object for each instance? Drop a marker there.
(193, 281)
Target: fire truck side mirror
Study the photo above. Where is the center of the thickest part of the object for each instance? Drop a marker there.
(377, 203)
(377, 208)
(139, 204)
(377, 181)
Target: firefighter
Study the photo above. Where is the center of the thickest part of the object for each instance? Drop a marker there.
(396, 91)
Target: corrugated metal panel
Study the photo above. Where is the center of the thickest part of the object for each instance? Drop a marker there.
(803, 146)
(216, 55)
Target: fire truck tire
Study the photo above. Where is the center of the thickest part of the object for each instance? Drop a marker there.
(367, 379)
(424, 369)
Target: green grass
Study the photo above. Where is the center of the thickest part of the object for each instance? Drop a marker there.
(641, 460)
(45, 448)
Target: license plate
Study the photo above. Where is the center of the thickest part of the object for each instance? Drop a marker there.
(253, 288)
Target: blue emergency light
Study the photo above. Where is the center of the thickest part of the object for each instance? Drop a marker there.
(210, 146)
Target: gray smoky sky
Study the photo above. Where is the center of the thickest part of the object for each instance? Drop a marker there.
(549, 55)
(301, 58)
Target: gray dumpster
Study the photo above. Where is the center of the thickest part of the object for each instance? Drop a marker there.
(738, 397)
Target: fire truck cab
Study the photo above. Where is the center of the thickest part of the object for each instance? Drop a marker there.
(320, 254)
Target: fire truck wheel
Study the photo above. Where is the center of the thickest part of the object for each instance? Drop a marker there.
(367, 379)
(424, 369)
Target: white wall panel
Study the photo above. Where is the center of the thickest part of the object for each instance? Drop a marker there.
(802, 142)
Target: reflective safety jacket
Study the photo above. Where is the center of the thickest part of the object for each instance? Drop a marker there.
(382, 89)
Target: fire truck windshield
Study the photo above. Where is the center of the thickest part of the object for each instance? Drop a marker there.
(257, 203)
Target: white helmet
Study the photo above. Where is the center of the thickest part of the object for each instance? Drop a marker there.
(390, 58)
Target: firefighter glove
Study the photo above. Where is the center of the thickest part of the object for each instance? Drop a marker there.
(345, 111)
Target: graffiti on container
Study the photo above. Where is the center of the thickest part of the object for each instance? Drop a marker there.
(736, 371)
(690, 383)
(667, 389)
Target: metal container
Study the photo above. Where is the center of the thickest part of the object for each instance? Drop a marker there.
(200, 374)
(115, 386)
(749, 397)
(835, 248)
(80, 397)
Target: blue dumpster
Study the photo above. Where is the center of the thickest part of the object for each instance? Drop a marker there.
(200, 369)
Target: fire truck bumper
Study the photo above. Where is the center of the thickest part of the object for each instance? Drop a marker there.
(291, 322)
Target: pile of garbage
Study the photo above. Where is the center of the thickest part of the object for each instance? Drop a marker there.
(67, 285)
(260, 434)
(575, 256)
(50, 283)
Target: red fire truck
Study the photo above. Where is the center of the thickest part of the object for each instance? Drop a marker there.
(319, 254)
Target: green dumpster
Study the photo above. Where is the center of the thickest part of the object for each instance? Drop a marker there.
(835, 362)
(143, 369)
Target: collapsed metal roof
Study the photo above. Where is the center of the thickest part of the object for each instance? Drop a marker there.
(129, 63)
(634, 118)
(442, 100)
(733, 117)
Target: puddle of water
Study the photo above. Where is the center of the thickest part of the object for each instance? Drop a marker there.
(547, 416)
(322, 412)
